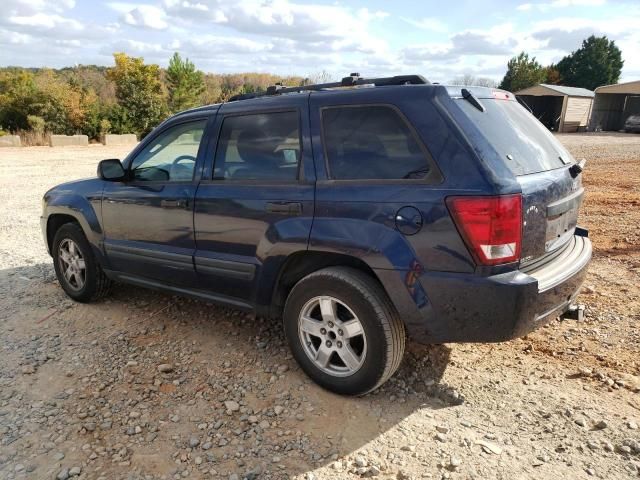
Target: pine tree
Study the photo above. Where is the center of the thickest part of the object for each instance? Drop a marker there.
(522, 72)
(184, 83)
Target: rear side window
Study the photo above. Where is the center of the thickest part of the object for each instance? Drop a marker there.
(371, 143)
(263, 146)
(522, 141)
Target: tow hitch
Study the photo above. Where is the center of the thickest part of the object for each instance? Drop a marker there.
(574, 312)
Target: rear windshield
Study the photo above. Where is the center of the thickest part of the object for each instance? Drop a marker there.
(524, 143)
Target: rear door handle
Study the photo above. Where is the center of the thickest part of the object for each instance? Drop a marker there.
(284, 208)
(174, 203)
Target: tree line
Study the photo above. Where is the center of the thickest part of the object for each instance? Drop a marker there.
(130, 97)
(133, 97)
(597, 62)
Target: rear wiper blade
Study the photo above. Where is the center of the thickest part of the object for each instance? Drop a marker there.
(577, 168)
(468, 96)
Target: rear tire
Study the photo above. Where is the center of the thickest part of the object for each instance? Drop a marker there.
(79, 273)
(343, 330)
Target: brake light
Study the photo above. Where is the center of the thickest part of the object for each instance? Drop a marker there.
(490, 226)
(498, 95)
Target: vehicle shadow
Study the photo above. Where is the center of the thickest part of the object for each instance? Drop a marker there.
(223, 354)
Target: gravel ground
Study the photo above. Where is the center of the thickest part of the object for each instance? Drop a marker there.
(149, 386)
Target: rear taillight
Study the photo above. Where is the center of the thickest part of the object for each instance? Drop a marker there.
(491, 226)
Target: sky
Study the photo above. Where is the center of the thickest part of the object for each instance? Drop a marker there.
(436, 39)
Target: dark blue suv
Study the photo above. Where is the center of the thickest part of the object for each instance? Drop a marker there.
(356, 211)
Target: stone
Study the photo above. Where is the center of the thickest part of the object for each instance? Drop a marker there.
(63, 474)
(442, 429)
(194, 442)
(165, 368)
(489, 447)
(601, 425)
(278, 409)
(359, 461)
(631, 425)
(28, 369)
(75, 471)
(282, 368)
(232, 406)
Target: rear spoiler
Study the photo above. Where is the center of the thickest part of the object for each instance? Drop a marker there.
(480, 93)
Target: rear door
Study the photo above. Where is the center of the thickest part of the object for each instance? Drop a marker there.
(254, 205)
(551, 194)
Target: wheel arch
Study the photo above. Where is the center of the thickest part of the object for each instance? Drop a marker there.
(302, 263)
(54, 222)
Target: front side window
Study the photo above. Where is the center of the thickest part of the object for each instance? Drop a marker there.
(371, 143)
(171, 157)
(263, 146)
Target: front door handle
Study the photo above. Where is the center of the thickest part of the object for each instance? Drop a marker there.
(174, 203)
(284, 208)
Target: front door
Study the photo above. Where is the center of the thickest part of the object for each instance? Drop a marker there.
(256, 206)
(148, 219)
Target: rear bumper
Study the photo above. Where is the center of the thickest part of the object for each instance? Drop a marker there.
(469, 308)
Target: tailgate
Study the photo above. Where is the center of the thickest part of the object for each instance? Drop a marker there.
(550, 205)
(551, 195)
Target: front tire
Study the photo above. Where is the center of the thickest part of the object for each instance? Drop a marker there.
(343, 330)
(79, 273)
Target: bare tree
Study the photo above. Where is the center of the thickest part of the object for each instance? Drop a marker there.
(471, 80)
(318, 77)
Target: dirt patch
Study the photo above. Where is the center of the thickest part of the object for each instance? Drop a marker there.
(80, 386)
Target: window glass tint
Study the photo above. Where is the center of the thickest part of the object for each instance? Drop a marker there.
(371, 142)
(172, 156)
(261, 146)
(524, 143)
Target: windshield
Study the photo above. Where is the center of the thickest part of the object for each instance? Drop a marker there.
(524, 143)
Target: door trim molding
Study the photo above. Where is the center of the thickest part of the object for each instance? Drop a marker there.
(174, 260)
(225, 268)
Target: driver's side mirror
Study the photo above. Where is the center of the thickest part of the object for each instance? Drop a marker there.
(111, 170)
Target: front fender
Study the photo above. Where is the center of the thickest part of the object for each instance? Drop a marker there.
(83, 203)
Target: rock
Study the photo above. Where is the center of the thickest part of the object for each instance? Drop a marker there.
(601, 425)
(588, 289)
(580, 422)
(252, 419)
(441, 437)
(489, 447)
(442, 429)
(198, 460)
(408, 448)
(360, 461)
(372, 471)
(631, 425)
(232, 406)
(28, 369)
(75, 471)
(278, 409)
(165, 368)
(63, 474)
(206, 446)
(454, 462)
(194, 442)
(58, 456)
(282, 369)
(264, 425)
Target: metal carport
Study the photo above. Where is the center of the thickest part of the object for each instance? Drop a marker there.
(614, 104)
(559, 108)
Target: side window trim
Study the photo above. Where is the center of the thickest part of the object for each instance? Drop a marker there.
(154, 135)
(217, 133)
(433, 177)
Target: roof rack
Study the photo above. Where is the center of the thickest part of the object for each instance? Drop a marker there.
(352, 80)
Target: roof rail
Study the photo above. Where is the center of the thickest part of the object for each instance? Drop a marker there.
(352, 80)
